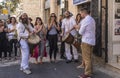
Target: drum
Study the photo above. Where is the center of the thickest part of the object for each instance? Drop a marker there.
(68, 39)
(77, 44)
(71, 40)
(34, 39)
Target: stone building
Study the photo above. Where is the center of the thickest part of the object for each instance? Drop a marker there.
(105, 12)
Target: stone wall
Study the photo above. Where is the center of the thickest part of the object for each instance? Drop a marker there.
(32, 8)
(72, 8)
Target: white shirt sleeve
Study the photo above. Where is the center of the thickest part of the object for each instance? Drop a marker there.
(31, 28)
(83, 26)
(63, 24)
(73, 21)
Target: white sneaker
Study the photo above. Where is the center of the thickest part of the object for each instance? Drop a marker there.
(21, 69)
(27, 71)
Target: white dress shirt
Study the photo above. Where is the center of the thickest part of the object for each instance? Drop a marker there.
(68, 24)
(87, 30)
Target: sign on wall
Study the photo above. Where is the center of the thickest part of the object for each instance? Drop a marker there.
(77, 2)
(117, 18)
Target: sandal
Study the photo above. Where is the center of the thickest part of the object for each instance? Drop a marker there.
(84, 76)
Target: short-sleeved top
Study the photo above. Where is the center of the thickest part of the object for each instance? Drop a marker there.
(12, 35)
(52, 31)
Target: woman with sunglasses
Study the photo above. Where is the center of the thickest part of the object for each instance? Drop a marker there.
(53, 29)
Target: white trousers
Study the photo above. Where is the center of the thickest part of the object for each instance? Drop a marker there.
(68, 53)
(24, 54)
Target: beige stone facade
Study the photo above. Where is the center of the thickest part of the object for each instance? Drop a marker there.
(36, 8)
(32, 8)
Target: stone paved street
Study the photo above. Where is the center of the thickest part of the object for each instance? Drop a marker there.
(46, 70)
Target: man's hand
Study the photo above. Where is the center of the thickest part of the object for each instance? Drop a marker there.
(30, 34)
(77, 27)
(61, 34)
(68, 31)
(1, 29)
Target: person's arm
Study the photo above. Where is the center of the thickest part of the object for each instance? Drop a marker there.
(44, 30)
(11, 30)
(77, 27)
(57, 27)
(39, 29)
(83, 27)
(50, 26)
(31, 29)
(1, 28)
(63, 28)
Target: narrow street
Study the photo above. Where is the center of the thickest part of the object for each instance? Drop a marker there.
(46, 70)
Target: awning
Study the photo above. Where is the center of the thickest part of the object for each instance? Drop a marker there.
(77, 2)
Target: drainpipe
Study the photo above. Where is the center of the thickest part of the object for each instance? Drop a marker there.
(106, 33)
(100, 24)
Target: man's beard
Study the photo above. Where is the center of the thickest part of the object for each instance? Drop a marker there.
(68, 16)
(25, 20)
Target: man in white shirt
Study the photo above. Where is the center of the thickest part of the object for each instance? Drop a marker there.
(68, 27)
(23, 33)
(87, 30)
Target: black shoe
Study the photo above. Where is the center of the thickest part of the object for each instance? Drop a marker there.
(0, 59)
(76, 61)
(15, 58)
(5, 58)
(63, 57)
(9, 58)
(68, 61)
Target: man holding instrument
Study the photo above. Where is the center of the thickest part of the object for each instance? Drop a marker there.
(23, 34)
(87, 30)
(68, 24)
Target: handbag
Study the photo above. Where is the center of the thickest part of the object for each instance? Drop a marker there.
(18, 45)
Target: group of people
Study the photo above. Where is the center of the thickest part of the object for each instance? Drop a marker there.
(83, 25)
(8, 38)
